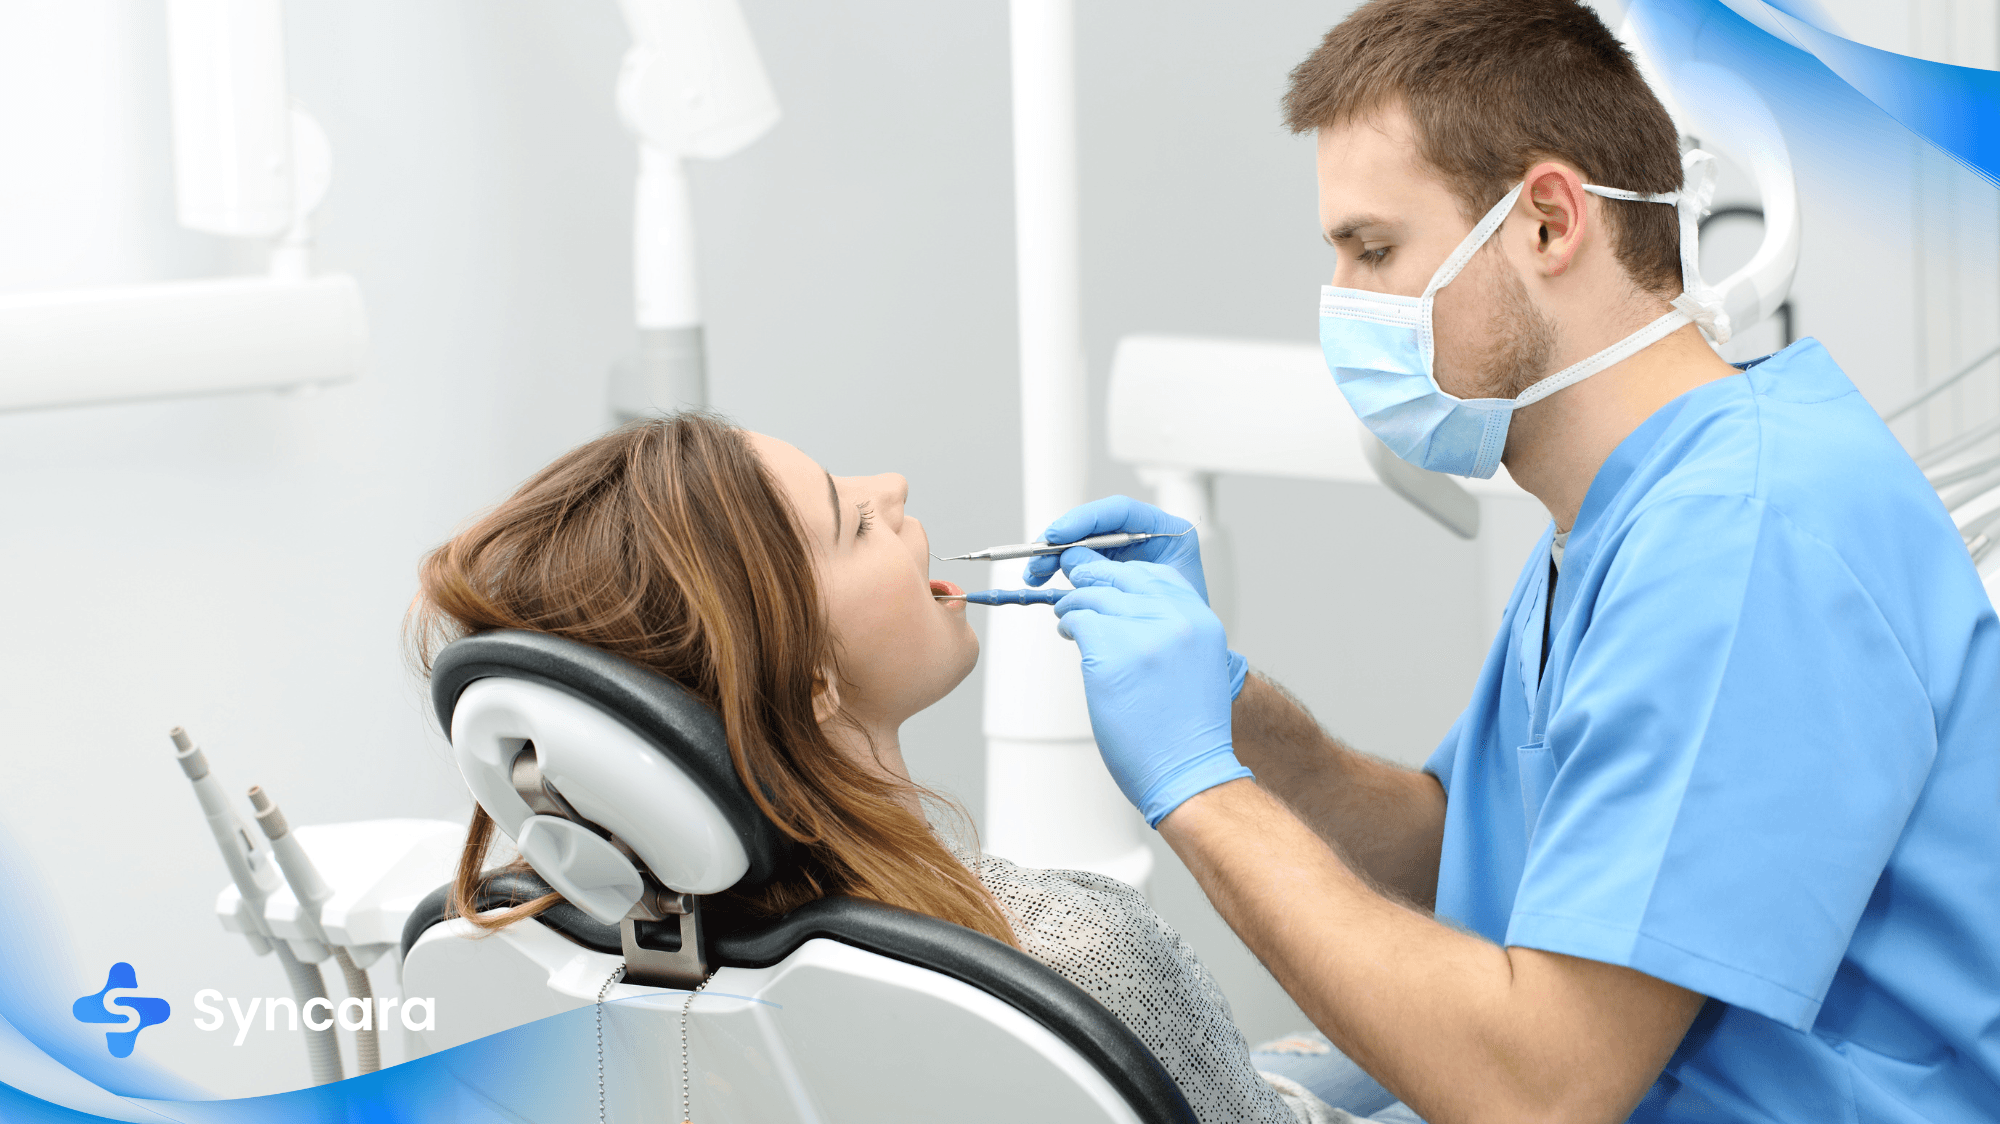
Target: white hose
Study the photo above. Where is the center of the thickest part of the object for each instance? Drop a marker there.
(322, 1048)
(367, 1050)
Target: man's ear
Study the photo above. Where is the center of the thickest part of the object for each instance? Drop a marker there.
(1555, 201)
(826, 696)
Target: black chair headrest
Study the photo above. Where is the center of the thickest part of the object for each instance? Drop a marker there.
(652, 706)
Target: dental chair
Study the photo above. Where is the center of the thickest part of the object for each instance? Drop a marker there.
(618, 789)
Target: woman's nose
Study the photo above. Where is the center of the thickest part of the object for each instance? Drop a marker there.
(895, 492)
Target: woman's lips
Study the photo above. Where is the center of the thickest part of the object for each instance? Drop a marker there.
(940, 586)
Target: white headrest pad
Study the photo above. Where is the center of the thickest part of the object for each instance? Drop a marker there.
(609, 774)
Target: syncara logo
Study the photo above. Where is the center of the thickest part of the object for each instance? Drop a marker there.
(140, 1011)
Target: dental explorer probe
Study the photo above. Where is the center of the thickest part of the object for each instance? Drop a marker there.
(312, 893)
(256, 878)
(1030, 549)
(1008, 596)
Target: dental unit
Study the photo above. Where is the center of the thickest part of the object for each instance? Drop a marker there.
(256, 879)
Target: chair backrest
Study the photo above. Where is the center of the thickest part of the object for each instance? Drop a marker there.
(591, 719)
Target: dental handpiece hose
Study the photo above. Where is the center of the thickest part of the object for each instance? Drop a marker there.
(256, 878)
(312, 892)
(1031, 549)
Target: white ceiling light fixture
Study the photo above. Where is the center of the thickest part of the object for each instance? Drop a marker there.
(247, 164)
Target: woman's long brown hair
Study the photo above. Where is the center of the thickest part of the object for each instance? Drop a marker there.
(666, 542)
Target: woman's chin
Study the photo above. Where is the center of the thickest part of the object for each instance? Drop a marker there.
(968, 658)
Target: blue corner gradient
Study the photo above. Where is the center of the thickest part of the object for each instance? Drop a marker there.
(1838, 100)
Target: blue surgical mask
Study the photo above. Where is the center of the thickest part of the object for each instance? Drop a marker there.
(1383, 354)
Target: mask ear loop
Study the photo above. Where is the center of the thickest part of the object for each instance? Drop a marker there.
(1702, 304)
(1695, 304)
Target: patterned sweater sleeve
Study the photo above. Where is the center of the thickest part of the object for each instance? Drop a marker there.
(1101, 935)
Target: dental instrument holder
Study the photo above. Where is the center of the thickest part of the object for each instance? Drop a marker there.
(312, 893)
(251, 867)
(307, 886)
(662, 936)
(254, 872)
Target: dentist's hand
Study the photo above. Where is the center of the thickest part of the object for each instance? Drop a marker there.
(1123, 513)
(1156, 673)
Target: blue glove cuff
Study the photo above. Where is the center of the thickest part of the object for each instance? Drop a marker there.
(1190, 780)
(1239, 671)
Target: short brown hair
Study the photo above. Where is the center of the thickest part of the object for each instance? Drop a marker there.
(1492, 86)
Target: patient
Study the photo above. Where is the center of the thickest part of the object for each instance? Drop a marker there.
(798, 605)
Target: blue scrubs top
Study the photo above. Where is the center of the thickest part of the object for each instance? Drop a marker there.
(1762, 761)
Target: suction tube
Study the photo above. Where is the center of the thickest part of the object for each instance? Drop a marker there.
(255, 880)
(312, 892)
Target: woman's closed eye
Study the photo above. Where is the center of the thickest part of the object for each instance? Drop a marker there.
(865, 518)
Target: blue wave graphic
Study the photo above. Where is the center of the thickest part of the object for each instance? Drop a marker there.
(1836, 94)
(542, 1073)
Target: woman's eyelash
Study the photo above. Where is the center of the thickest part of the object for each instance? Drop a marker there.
(865, 522)
(1375, 256)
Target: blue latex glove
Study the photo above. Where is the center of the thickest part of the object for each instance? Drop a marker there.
(1123, 513)
(1156, 674)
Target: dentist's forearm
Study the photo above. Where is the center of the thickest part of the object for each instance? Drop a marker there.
(1458, 1028)
(1387, 821)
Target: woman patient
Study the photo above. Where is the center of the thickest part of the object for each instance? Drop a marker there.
(798, 605)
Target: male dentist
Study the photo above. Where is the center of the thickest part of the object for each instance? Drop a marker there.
(1718, 835)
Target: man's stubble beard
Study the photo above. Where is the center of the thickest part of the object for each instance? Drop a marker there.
(1523, 340)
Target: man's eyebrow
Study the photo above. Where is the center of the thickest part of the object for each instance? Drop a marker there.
(1341, 233)
(833, 494)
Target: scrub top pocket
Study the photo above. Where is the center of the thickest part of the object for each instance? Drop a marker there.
(1538, 774)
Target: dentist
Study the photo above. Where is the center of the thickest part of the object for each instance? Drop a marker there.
(1717, 836)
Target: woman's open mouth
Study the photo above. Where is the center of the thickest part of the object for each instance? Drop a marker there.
(942, 588)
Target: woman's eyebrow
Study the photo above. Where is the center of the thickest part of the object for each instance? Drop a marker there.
(833, 494)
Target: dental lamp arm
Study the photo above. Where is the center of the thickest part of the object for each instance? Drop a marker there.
(1458, 1028)
(691, 87)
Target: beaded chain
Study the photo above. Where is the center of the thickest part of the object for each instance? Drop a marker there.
(687, 1100)
(601, 992)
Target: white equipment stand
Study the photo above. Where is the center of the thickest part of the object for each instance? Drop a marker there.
(1049, 801)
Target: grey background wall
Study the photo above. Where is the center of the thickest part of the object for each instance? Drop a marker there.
(241, 564)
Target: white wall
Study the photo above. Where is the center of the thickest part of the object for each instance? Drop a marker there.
(241, 564)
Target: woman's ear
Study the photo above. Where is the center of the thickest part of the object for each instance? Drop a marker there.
(826, 696)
